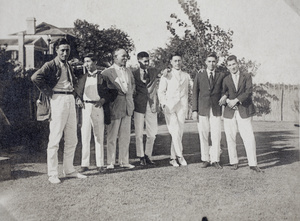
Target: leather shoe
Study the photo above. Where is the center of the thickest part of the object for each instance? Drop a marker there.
(76, 175)
(217, 165)
(148, 161)
(110, 166)
(101, 169)
(182, 161)
(205, 164)
(83, 169)
(54, 179)
(256, 169)
(235, 166)
(174, 163)
(128, 166)
(143, 161)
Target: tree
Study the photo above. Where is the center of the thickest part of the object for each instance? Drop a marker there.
(261, 97)
(89, 38)
(200, 38)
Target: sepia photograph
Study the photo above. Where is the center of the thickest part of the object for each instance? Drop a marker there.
(149, 110)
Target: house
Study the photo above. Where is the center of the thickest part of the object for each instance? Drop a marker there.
(34, 46)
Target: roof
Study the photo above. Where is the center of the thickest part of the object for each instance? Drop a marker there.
(48, 29)
(36, 41)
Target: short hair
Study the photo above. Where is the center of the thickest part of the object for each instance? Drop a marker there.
(116, 50)
(60, 41)
(142, 54)
(174, 55)
(89, 55)
(231, 58)
(212, 55)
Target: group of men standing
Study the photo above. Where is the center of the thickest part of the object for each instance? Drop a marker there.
(112, 96)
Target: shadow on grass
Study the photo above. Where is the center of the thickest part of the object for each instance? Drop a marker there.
(18, 174)
(274, 148)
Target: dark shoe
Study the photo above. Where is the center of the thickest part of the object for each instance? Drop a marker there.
(83, 169)
(235, 166)
(205, 164)
(217, 165)
(143, 161)
(101, 169)
(256, 169)
(148, 161)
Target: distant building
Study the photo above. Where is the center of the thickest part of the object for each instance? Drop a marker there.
(34, 46)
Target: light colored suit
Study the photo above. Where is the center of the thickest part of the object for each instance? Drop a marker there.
(121, 110)
(240, 118)
(173, 96)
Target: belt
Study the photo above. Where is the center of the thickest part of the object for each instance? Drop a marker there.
(62, 92)
(92, 102)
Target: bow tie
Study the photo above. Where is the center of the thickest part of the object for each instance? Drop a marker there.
(91, 75)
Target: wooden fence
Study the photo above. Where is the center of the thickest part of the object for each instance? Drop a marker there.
(286, 108)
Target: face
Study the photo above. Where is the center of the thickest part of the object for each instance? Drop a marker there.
(211, 63)
(89, 64)
(121, 58)
(232, 66)
(63, 52)
(176, 62)
(144, 62)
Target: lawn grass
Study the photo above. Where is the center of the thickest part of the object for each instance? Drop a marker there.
(163, 192)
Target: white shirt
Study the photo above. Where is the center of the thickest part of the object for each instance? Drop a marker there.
(236, 78)
(90, 89)
(142, 71)
(123, 76)
(63, 83)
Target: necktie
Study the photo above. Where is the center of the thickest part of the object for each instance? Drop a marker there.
(211, 79)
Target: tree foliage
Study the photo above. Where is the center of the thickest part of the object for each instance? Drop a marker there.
(101, 42)
(200, 38)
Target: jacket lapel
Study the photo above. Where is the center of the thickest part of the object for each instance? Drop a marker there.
(241, 79)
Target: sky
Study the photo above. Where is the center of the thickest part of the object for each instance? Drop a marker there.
(265, 31)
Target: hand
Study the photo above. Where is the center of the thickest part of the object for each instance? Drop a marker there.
(232, 103)
(222, 100)
(195, 115)
(166, 72)
(100, 103)
(79, 103)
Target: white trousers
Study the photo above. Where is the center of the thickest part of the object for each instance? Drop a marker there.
(151, 131)
(244, 126)
(213, 124)
(63, 121)
(92, 117)
(118, 129)
(175, 124)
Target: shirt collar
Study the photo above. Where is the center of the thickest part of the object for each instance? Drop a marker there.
(208, 72)
(237, 73)
(92, 73)
(118, 67)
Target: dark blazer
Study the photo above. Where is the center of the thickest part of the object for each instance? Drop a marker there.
(123, 104)
(246, 107)
(45, 79)
(142, 95)
(206, 97)
(108, 95)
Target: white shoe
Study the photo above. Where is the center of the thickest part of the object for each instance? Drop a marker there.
(182, 161)
(128, 166)
(110, 166)
(54, 179)
(174, 163)
(76, 175)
